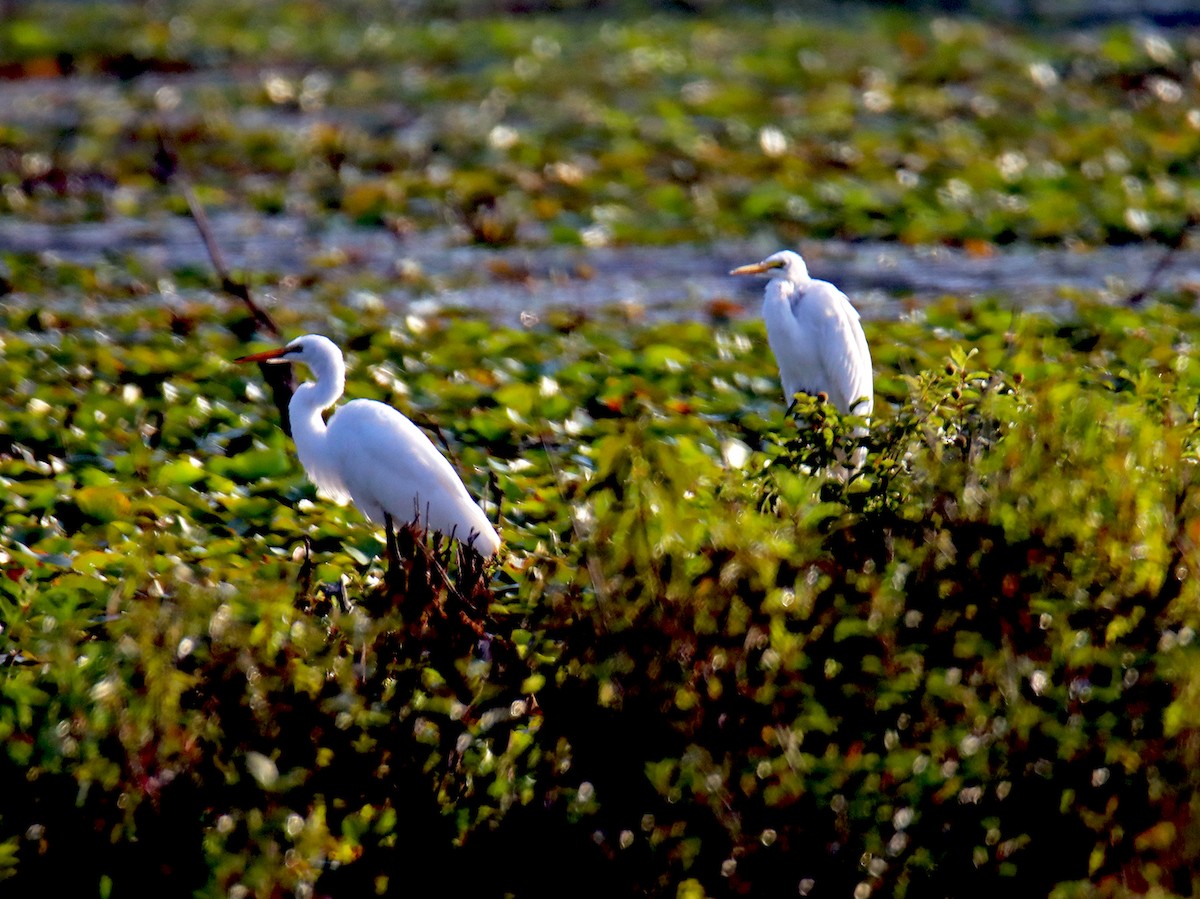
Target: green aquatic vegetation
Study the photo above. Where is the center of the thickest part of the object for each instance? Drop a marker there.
(706, 664)
(627, 129)
(710, 660)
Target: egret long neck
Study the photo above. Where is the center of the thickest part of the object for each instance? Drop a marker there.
(310, 400)
(792, 280)
(780, 290)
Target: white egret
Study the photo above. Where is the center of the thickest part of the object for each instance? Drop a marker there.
(815, 334)
(371, 454)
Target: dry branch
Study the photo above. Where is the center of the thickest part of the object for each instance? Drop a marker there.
(279, 377)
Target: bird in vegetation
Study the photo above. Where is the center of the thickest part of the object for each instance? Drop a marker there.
(815, 334)
(372, 454)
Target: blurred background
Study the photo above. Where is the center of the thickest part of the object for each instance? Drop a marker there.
(510, 156)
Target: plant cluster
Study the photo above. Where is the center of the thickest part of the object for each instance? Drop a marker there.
(596, 129)
(726, 650)
(710, 663)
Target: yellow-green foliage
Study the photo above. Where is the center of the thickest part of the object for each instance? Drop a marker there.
(621, 126)
(709, 661)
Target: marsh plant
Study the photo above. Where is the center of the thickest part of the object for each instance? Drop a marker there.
(705, 664)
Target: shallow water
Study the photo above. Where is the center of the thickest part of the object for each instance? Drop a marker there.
(683, 281)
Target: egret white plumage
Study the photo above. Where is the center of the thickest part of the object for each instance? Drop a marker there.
(815, 334)
(372, 454)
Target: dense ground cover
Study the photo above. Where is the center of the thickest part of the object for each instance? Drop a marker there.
(703, 666)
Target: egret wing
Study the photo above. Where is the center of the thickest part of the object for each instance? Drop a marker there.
(390, 465)
(842, 348)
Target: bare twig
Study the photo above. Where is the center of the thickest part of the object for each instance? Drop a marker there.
(424, 421)
(1164, 261)
(168, 169)
(497, 496)
(304, 578)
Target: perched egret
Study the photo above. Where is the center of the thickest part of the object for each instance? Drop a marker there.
(373, 455)
(815, 335)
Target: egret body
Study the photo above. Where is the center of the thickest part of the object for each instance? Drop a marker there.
(815, 334)
(372, 454)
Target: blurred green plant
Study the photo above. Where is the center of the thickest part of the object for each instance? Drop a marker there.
(707, 665)
(630, 129)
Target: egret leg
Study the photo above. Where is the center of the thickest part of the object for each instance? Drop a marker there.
(393, 552)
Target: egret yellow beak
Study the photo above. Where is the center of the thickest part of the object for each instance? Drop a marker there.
(265, 356)
(756, 268)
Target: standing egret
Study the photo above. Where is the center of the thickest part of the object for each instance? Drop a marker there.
(373, 455)
(815, 335)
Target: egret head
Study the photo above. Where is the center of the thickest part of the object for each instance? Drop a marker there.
(314, 350)
(784, 264)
